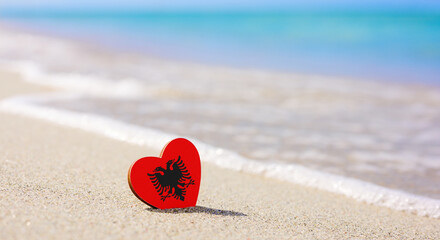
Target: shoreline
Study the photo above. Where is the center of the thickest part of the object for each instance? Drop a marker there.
(361, 191)
(377, 197)
(72, 184)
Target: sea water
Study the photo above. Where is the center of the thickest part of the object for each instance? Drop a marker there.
(399, 45)
(382, 132)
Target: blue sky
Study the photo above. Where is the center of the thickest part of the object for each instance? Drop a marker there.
(191, 4)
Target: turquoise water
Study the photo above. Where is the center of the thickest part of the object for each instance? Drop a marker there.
(391, 45)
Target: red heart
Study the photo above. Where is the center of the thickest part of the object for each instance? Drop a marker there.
(170, 181)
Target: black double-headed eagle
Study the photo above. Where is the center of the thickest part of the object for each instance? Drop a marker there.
(172, 181)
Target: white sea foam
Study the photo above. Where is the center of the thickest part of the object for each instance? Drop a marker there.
(33, 106)
(74, 82)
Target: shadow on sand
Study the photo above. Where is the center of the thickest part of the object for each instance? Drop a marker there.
(198, 209)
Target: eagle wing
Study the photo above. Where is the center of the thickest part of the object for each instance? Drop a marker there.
(156, 180)
(179, 171)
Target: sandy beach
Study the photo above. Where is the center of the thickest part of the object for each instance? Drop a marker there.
(59, 182)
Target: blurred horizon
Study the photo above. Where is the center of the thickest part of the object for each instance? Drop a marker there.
(218, 5)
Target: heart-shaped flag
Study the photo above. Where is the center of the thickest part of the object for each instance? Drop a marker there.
(169, 181)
